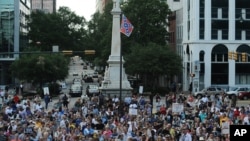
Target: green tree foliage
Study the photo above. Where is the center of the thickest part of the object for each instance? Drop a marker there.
(40, 68)
(99, 34)
(152, 61)
(146, 52)
(149, 18)
(64, 28)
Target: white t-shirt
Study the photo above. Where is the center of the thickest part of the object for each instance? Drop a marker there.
(62, 123)
(8, 110)
(18, 105)
(2, 93)
(39, 107)
(131, 124)
(133, 106)
(115, 99)
(246, 120)
(204, 99)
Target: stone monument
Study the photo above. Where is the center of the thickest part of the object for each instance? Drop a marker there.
(115, 73)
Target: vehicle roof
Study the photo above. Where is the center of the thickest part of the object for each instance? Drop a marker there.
(93, 86)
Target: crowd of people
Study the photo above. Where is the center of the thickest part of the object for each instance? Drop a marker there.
(137, 118)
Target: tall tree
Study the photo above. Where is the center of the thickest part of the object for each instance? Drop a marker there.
(99, 34)
(64, 28)
(40, 68)
(151, 62)
(149, 18)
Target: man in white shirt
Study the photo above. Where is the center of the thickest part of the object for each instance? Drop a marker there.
(63, 122)
(185, 135)
(127, 100)
(246, 120)
(8, 110)
(204, 99)
(39, 107)
(115, 99)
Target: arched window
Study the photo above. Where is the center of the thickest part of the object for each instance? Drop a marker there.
(219, 53)
(242, 68)
(219, 66)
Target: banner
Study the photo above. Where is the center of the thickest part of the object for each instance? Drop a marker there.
(177, 108)
(46, 90)
(126, 26)
(225, 128)
(141, 90)
(132, 111)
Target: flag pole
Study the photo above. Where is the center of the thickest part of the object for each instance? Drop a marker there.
(121, 74)
(126, 28)
(120, 96)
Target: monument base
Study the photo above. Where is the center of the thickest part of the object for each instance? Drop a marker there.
(116, 91)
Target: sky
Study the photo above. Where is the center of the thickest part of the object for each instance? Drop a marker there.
(84, 8)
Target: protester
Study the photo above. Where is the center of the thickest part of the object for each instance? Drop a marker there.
(46, 100)
(106, 118)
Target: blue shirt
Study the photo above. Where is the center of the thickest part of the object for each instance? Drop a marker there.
(88, 131)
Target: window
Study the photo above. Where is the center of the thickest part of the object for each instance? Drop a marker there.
(202, 31)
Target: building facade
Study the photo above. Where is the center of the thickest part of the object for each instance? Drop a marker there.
(210, 31)
(48, 6)
(13, 37)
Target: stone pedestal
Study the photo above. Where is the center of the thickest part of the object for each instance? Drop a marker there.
(113, 76)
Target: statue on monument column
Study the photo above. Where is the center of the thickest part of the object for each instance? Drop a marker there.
(116, 2)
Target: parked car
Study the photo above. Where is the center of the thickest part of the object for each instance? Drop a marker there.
(88, 79)
(92, 89)
(95, 77)
(209, 91)
(85, 67)
(75, 90)
(75, 74)
(244, 95)
(29, 93)
(77, 81)
(236, 91)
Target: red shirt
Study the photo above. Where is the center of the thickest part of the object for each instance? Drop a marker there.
(236, 113)
(163, 110)
(16, 99)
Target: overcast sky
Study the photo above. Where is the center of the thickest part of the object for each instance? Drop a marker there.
(81, 7)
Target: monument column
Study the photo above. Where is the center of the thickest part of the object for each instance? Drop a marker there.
(115, 80)
(116, 35)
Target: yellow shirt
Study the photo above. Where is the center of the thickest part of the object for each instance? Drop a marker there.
(38, 125)
(72, 125)
(226, 119)
(172, 132)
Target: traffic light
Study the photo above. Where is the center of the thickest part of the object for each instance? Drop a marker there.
(235, 56)
(89, 52)
(243, 57)
(230, 55)
(67, 52)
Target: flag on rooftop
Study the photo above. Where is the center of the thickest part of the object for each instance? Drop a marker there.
(126, 26)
